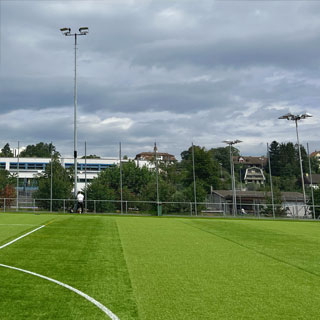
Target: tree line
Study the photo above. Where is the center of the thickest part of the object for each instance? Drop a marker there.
(176, 180)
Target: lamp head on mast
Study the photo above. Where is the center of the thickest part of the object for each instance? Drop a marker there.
(66, 31)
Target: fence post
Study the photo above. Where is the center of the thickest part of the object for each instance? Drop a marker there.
(34, 205)
(224, 209)
(190, 208)
(94, 206)
(4, 205)
(64, 205)
(126, 206)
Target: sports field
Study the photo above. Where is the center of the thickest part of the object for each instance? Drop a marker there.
(157, 268)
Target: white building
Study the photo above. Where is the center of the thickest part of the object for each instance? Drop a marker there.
(27, 169)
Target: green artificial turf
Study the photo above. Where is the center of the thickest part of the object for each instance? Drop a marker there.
(223, 269)
(160, 268)
(84, 252)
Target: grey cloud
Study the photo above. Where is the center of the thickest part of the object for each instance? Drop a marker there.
(209, 61)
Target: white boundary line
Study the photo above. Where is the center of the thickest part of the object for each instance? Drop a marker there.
(90, 299)
(7, 244)
(95, 302)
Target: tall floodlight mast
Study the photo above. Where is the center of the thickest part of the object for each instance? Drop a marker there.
(296, 118)
(82, 32)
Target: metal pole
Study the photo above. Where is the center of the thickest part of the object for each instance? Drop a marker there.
(85, 176)
(194, 183)
(301, 169)
(120, 167)
(75, 118)
(51, 171)
(157, 178)
(18, 166)
(233, 184)
(234, 191)
(312, 195)
(271, 186)
(240, 189)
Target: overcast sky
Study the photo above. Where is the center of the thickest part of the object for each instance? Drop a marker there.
(174, 72)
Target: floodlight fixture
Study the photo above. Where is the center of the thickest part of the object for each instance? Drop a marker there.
(84, 30)
(293, 117)
(65, 31)
(287, 116)
(305, 115)
(231, 142)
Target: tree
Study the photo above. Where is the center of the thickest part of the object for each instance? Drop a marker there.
(274, 154)
(40, 150)
(6, 178)
(206, 169)
(315, 168)
(139, 185)
(285, 164)
(62, 184)
(277, 203)
(222, 155)
(7, 187)
(6, 151)
(316, 196)
(8, 193)
(107, 186)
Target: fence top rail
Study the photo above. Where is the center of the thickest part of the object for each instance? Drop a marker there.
(218, 204)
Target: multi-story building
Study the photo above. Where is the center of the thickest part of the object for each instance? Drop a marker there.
(27, 169)
(254, 168)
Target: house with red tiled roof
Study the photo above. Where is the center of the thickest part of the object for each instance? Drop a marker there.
(315, 154)
(161, 156)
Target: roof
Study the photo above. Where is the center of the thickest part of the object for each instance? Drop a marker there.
(293, 196)
(159, 154)
(315, 179)
(315, 154)
(250, 160)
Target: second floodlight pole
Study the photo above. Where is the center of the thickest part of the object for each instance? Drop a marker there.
(194, 182)
(121, 189)
(159, 213)
(301, 168)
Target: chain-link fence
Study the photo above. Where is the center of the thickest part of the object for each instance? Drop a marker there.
(203, 209)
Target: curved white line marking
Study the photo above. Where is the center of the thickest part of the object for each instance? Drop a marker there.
(7, 244)
(95, 302)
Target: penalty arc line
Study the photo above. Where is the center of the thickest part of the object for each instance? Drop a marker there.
(108, 312)
(92, 300)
